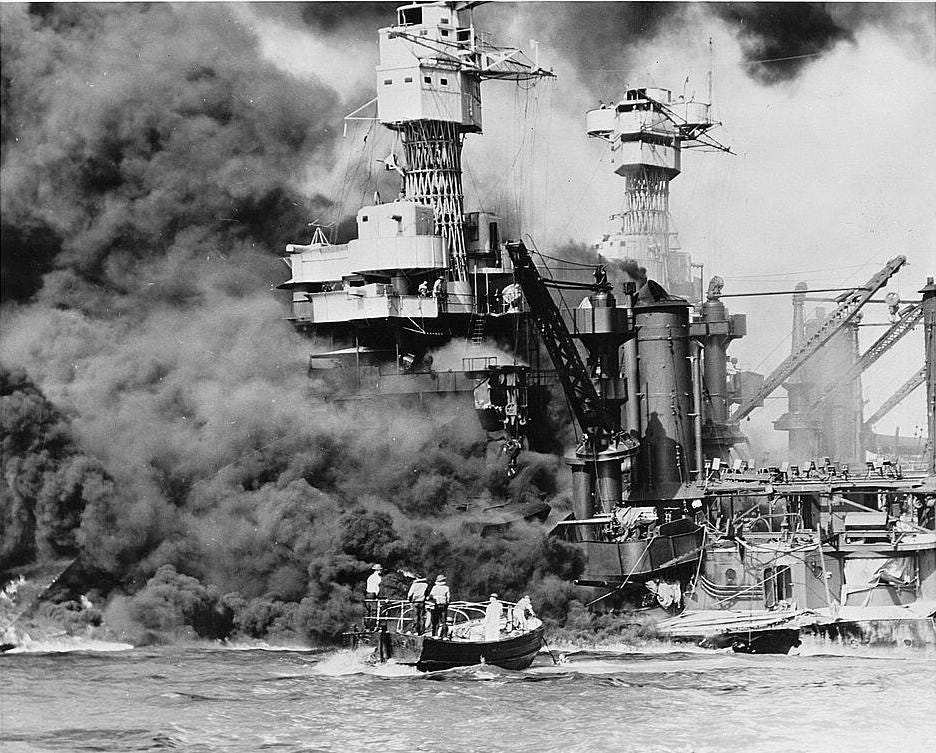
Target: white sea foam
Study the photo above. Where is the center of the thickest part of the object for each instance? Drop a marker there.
(264, 646)
(66, 643)
(358, 661)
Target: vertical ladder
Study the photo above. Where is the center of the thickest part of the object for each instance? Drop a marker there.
(477, 329)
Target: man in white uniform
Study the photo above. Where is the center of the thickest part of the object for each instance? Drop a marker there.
(372, 591)
(441, 595)
(417, 597)
(492, 618)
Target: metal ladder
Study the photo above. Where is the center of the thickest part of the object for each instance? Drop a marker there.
(476, 335)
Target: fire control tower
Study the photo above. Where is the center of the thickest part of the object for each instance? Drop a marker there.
(647, 132)
(429, 78)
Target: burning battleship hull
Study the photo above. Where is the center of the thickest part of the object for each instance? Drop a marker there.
(654, 518)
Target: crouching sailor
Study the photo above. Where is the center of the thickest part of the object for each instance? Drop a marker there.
(417, 597)
(522, 612)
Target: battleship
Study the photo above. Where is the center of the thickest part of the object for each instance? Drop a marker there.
(835, 543)
(422, 272)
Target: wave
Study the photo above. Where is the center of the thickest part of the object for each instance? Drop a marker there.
(66, 644)
(359, 662)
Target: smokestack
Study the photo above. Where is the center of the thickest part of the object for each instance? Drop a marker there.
(803, 429)
(666, 447)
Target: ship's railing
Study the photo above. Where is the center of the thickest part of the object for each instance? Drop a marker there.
(400, 614)
(775, 523)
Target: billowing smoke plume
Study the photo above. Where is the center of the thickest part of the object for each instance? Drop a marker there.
(154, 161)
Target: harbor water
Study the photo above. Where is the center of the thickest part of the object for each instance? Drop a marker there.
(205, 699)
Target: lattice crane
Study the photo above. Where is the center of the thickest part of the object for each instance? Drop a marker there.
(897, 398)
(909, 318)
(844, 313)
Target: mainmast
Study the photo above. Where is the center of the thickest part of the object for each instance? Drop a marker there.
(647, 132)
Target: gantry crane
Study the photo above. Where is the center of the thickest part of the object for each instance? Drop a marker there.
(846, 311)
(894, 400)
(908, 319)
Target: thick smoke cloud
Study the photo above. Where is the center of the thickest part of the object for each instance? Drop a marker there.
(45, 483)
(154, 161)
(139, 135)
(156, 157)
(780, 39)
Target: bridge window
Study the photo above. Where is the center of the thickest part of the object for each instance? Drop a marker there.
(410, 16)
(427, 79)
(388, 81)
(443, 81)
(408, 80)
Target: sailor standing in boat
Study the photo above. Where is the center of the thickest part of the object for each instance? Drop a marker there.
(492, 619)
(523, 611)
(372, 591)
(417, 597)
(441, 595)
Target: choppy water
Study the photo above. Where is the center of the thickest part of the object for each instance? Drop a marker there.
(201, 699)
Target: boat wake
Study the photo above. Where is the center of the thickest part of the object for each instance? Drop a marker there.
(359, 662)
(66, 644)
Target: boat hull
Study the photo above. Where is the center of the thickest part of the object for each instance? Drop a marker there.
(429, 654)
(515, 652)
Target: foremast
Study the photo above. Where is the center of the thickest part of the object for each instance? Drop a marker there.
(432, 62)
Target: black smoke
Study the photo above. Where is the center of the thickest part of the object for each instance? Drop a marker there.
(45, 481)
(151, 164)
(780, 39)
(134, 134)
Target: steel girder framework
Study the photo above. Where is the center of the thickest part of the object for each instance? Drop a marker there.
(844, 313)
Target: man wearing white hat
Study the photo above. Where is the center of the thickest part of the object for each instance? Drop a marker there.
(522, 612)
(441, 595)
(372, 590)
(417, 597)
(492, 619)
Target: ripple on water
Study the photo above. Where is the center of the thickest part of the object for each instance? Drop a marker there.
(246, 701)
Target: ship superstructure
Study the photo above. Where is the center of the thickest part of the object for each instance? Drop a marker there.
(422, 273)
(646, 132)
(817, 547)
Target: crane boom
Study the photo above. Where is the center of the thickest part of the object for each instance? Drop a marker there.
(909, 318)
(576, 382)
(843, 314)
(894, 400)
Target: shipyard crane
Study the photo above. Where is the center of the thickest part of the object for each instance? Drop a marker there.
(908, 319)
(847, 309)
(586, 405)
(894, 400)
